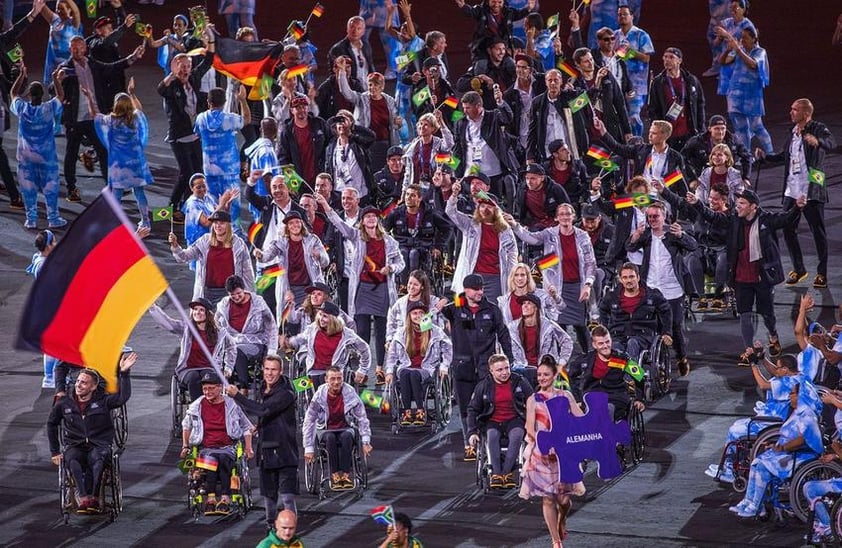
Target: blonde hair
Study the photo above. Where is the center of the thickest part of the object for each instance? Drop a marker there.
(409, 337)
(430, 119)
(124, 109)
(499, 223)
(334, 325)
(725, 149)
(664, 126)
(530, 284)
(227, 238)
(304, 231)
(379, 231)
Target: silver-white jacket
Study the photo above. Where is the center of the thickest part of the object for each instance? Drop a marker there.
(443, 144)
(237, 424)
(350, 342)
(362, 107)
(316, 416)
(396, 319)
(279, 248)
(550, 307)
(551, 240)
(439, 354)
(260, 326)
(553, 340)
(199, 252)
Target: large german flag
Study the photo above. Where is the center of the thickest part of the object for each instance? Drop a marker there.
(91, 291)
(246, 61)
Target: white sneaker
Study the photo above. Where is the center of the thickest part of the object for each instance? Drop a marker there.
(30, 224)
(48, 382)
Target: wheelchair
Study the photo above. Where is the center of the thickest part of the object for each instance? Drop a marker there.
(441, 273)
(332, 279)
(110, 493)
(744, 450)
(632, 454)
(656, 361)
(179, 399)
(437, 393)
(317, 473)
(483, 468)
(815, 470)
(241, 498)
(119, 415)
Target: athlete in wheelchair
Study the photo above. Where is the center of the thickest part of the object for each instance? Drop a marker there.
(635, 314)
(84, 447)
(417, 357)
(823, 494)
(336, 436)
(212, 429)
(496, 423)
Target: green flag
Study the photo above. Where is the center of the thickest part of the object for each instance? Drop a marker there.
(371, 399)
(90, 8)
(162, 213)
(815, 176)
(302, 384)
(456, 116)
(404, 60)
(579, 102)
(421, 96)
(263, 283)
(292, 178)
(607, 165)
(15, 54)
(634, 370)
(552, 20)
(426, 322)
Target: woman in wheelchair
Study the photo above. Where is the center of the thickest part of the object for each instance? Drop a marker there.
(415, 356)
(520, 283)
(214, 422)
(784, 377)
(418, 289)
(498, 407)
(535, 335)
(88, 430)
(337, 406)
(192, 362)
(815, 490)
(329, 343)
(800, 440)
(317, 294)
(540, 473)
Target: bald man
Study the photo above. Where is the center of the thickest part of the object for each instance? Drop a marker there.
(284, 533)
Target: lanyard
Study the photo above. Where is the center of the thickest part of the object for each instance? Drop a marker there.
(419, 157)
(683, 90)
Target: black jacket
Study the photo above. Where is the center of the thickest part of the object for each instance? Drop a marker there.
(475, 338)
(696, 154)
(432, 230)
(502, 74)
(512, 98)
(614, 114)
(443, 91)
(94, 427)
(102, 74)
(771, 269)
(264, 204)
(276, 425)
(694, 102)
(604, 237)
(334, 243)
(107, 50)
(329, 99)
(481, 407)
(537, 140)
(622, 218)
(417, 65)
(599, 60)
(577, 182)
(343, 48)
(653, 315)
(676, 247)
(175, 100)
(386, 188)
(614, 383)
(706, 234)
(814, 156)
(361, 139)
(287, 149)
(481, 13)
(493, 131)
(8, 71)
(554, 195)
(639, 154)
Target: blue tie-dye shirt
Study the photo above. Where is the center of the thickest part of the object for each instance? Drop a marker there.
(218, 132)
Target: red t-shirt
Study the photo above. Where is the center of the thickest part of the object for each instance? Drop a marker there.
(412, 219)
(630, 304)
(504, 402)
(717, 178)
(535, 206)
(488, 260)
(422, 159)
(515, 307)
(196, 358)
(237, 314)
(380, 119)
(569, 258)
(560, 175)
(680, 127)
(213, 423)
(220, 265)
(324, 347)
(530, 345)
(600, 367)
(306, 154)
(296, 267)
(747, 272)
(375, 252)
(416, 358)
(335, 411)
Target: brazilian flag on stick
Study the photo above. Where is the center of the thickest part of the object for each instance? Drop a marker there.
(421, 96)
(302, 384)
(815, 176)
(579, 102)
(291, 177)
(162, 213)
(634, 370)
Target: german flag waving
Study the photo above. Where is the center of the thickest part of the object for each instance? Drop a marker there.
(91, 292)
(246, 62)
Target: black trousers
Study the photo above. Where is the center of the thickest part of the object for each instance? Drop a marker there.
(6, 174)
(188, 156)
(75, 132)
(814, 213)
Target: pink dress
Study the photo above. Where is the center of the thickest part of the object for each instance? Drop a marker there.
(540, 473)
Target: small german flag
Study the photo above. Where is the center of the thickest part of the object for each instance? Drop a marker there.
(673, 178)
(254, 230)
(626, 201)
(286, 312)
(548, 261)
(318, 10)
(458, 300)
(567, 68)
(598, 152)
(388, 209)
(297, 30)
(302, 384)
(617, 362)
(273, 271)
(297, 70)
(208, 463)
(451, 102)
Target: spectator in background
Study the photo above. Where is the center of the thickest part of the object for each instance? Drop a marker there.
(65, 23)
(238, 14)
(640, 47)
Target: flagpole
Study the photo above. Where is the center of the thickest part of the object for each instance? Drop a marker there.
(124, 220)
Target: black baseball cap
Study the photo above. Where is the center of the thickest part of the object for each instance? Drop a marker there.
(531, 297)
(330, 308)
(472, 281)
(394, 151)
(210, 378)
(534, 169)
(749, 196)
(318, 286)
(221, 216)
(201, 301)
(589, 211)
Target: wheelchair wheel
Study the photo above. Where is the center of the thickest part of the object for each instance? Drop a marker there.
(176, 409)
(332, 281)
(638, 434)
(662, 367)
(437, 275)
(67, 496)
(482, 458)
(445, 407)
(120, 418)
(245, 488)
(361, 466)
(302, 402)
(393, 397)
(810, 471)
(310, 479)
(766, 437)
(111, 493)
(836, 521)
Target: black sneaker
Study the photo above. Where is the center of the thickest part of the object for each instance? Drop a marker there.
(73, 195)
(17, 205)
(794, 277)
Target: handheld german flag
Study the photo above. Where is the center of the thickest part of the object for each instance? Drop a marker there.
(297, 70)
(297, 30)
(617, 362)
(624, 202)
(598, 153)
(451, 102)
(458, 300)
(254, 230)
(673, 178)
(548, 261)
(318, 10)
(207, 462)
(815, 176)
(567, 68)
(302, 384)
(448, 160)
(91, 292)
(388, 209)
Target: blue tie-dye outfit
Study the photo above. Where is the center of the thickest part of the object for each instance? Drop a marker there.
(403, 93)
(221, 156)
(718, 14)
(735, 29)
(638, 40)
(50, 362)
(193, 208)
(261, 155)
(604, 14)
(781, 464)
(127, 167)
(745, 100)
(37, 158)
(58, 45)
(374, 12)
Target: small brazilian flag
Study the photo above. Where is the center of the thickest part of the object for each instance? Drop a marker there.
(607, 165)
(815, 176)
(302, 384)
(426, 322)
(371, 399)
(263, 283)
(634, 370)
(579, 102)
(562, 382)
(456, 116)
(90, 8)
(402, 61)
(552, 20)
(641, 199)
(421, 96)
(15, 54)
(291, 177)
(162, 213)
